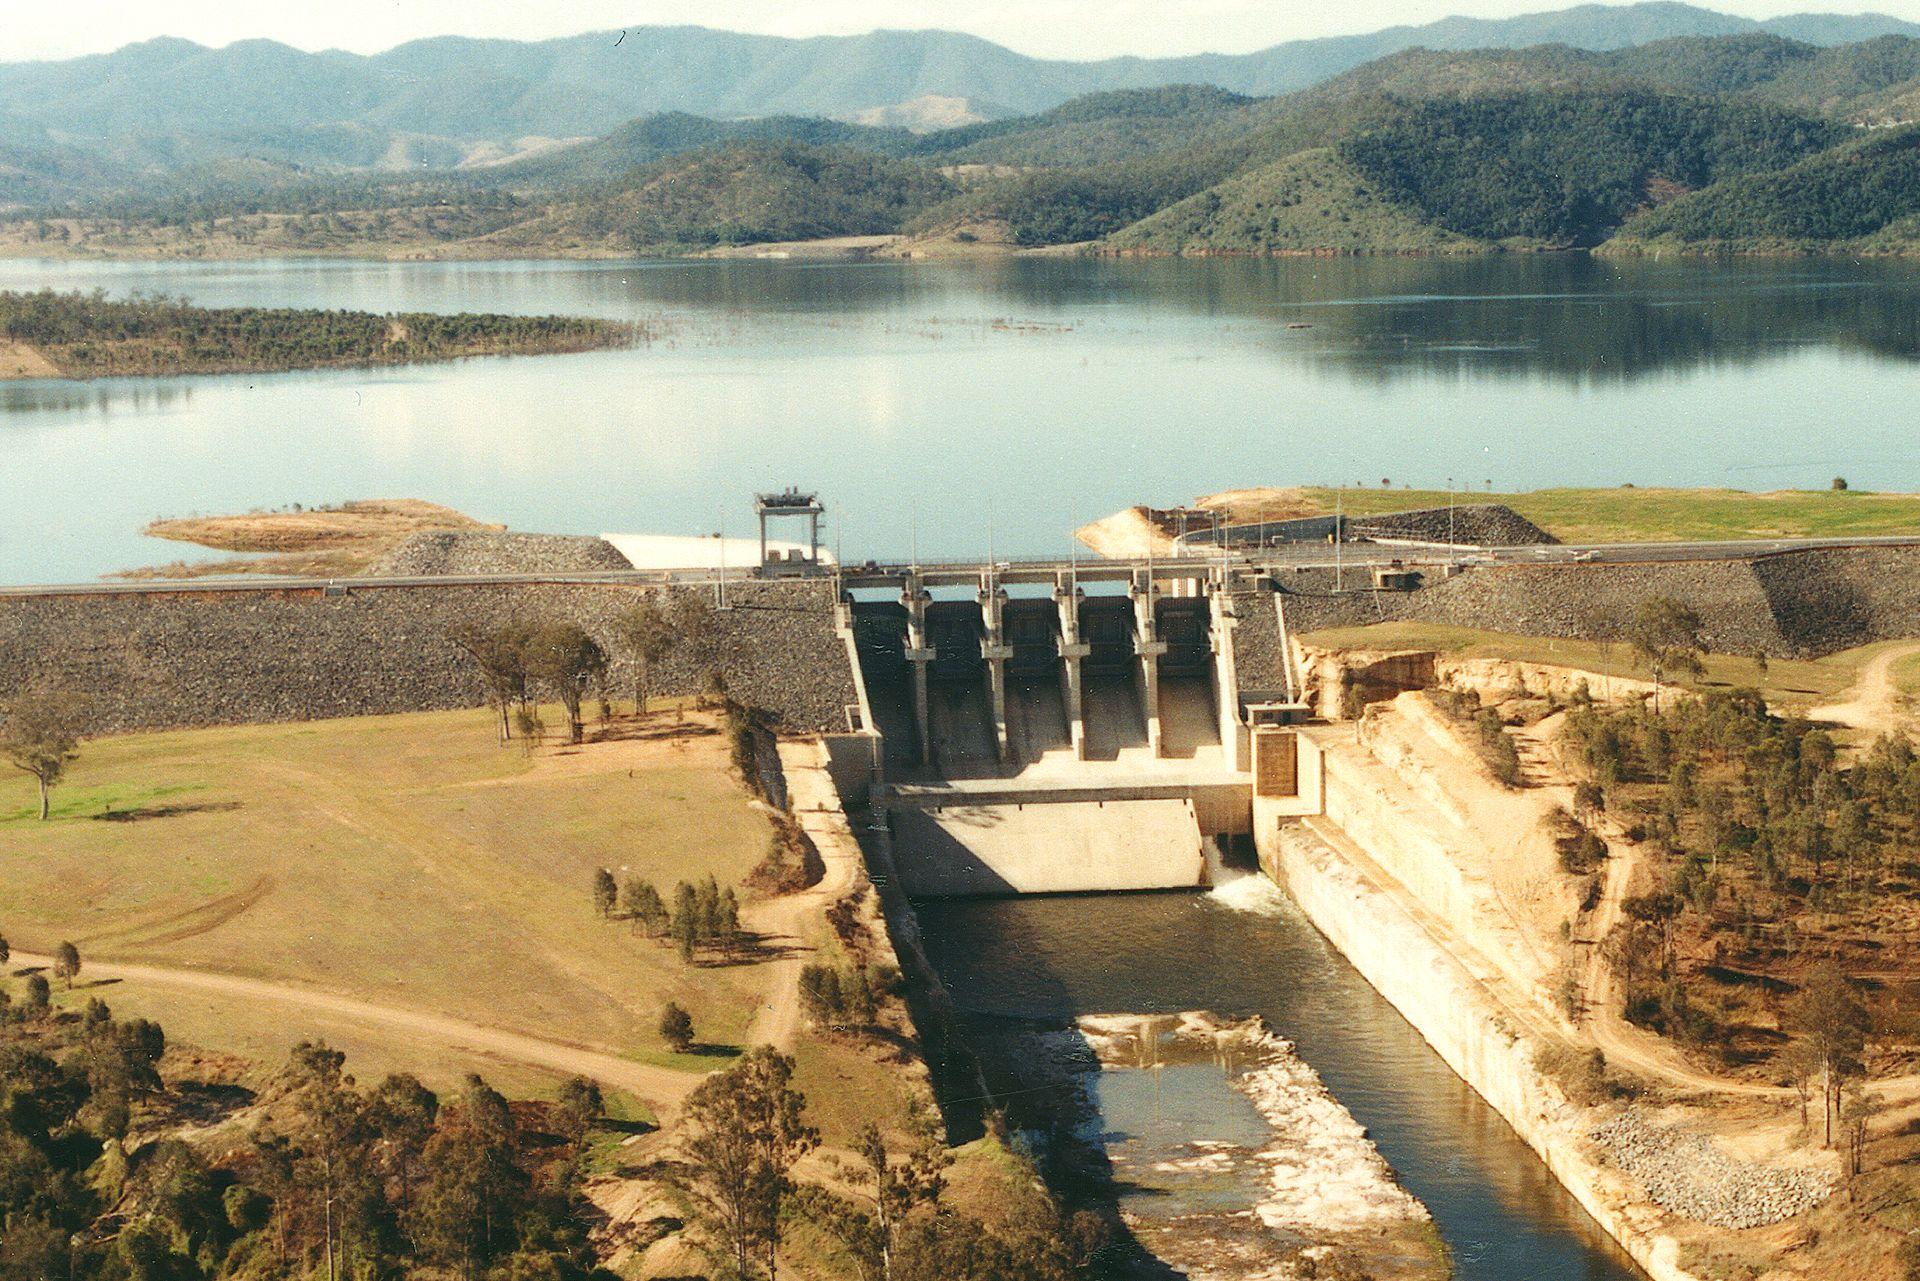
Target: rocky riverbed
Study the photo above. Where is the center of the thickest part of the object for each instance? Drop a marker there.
(1279, 1183)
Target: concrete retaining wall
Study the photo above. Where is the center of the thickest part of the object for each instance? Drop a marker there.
(183, 659)
(1466, 1028)
(1057, 848)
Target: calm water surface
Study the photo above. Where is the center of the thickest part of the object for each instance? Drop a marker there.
(1502, 1214)
(962, 404)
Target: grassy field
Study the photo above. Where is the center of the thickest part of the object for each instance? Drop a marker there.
(1906, 675)
(1787, 683)
(1626, 514)
(405, 860)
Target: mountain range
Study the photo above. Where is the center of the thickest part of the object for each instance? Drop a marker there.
(168, 104)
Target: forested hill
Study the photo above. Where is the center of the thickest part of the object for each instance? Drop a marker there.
(1681, 141)
(748, 193)
(152, 108)
(1863, 197)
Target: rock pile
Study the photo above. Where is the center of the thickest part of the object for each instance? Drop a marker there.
(1689, 1176)
(1471, 524)
(438, 552)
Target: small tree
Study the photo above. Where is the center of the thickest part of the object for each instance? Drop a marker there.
(1834, 1022)
(39, 995)
(747, 1127)
(647, 633)
(1666, 636)
(41, 735)
(643, 906)
(66, 963)
(686, 926)
(499, 656)
(578, 1107)
(604, 892)
(568, 661)
(676, 1028)
(6, 954)
(1839, 484)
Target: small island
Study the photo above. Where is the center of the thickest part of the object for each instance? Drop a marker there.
(88, 335)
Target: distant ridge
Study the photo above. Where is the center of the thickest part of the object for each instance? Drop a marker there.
(169, 103)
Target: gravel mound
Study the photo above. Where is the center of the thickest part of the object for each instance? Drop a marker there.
(1476, 524)
(437, 552)
(1686, 1174)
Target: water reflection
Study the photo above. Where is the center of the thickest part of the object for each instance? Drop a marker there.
(1502, 1214)
(932, 403)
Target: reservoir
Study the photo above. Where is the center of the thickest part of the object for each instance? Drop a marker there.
(1246, 950)
(957, 408)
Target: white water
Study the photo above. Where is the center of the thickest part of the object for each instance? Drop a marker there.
(1239, 890)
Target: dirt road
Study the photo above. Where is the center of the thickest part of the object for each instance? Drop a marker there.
(663, 1088)
(1873, 703)
(783, 922)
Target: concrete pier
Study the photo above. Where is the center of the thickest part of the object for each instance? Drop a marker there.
(995, 651)
(1072, 654)
(1148, 649)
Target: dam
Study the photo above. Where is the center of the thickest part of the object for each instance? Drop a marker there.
(1015, 737)
(1061, 731)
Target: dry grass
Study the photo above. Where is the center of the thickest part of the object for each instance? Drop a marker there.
(1625, 514)
(407, 859)
(1790, 684)
(313, 541)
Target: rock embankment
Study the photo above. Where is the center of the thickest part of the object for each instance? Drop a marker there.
(1688, 1175)
(450, 552)
(191, 658)
(1472, 524)
(1789, 604)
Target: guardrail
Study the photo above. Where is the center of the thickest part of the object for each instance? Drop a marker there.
(1291, 556)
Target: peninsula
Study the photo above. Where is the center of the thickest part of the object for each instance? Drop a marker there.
(75, 335)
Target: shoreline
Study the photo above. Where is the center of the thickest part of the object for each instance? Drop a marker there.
(896, 247)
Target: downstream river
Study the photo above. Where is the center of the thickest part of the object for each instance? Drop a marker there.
(1244, 951)
(967, 405)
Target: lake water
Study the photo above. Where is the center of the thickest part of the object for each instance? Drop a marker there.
(963, 405)
(1499, 1210)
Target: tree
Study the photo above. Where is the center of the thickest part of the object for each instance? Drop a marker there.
(401, 1114)
(66, 963)
(1666, 636)
(6, 953)
(685, 927)
(1834, 1022)
(568, 661)
(474, 1188)
(646, 630)
(604, 891)
(1839, 484)
(643, 905)
(898, 1188)
(676, 1028)
(747, 1128)
(579, 1106)
(499, 655)
(41, 735)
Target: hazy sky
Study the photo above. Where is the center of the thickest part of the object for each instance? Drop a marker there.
(1051, 28)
